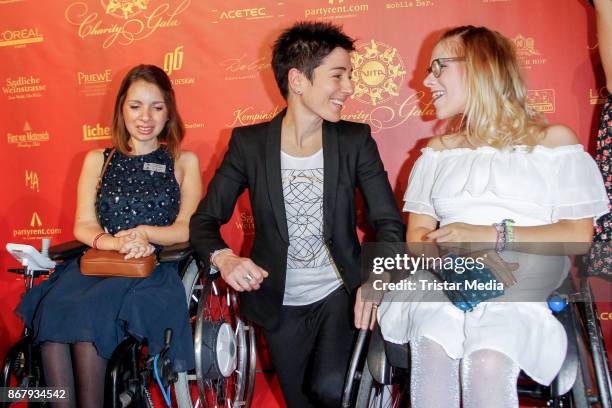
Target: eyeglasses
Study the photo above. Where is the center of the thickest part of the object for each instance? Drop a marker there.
(436, 65)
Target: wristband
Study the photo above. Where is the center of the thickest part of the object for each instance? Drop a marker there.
(212, 256)
(94, 244)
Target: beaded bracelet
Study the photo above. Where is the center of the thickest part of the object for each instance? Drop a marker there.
(509, 226)
(505, 234)
(94, 245)
(500, 242)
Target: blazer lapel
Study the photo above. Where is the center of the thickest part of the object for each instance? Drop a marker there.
(330, 175)
(273, 174)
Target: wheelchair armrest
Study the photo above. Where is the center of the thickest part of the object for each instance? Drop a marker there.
(176, 252)
(67, 250)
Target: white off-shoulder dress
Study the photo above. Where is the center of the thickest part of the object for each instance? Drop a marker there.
(532, 186)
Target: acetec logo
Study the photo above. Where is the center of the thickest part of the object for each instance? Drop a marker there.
(173, 61)
(378, 72)
(244, 13)
(20, 37)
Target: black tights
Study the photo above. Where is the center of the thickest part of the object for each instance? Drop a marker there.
(61, 362)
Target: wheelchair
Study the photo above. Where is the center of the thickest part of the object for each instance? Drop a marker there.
(379, 371)
(224, 344)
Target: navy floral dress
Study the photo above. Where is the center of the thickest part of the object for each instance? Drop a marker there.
(601, 256)
(70, 307)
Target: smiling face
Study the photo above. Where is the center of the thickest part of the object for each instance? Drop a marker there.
(144, 111)
(449, 90)
(330, 87)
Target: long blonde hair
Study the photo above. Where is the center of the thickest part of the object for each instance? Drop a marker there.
(496, 110)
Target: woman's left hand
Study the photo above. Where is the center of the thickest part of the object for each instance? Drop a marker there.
(136, 232)
(137, 243)
(463, 233)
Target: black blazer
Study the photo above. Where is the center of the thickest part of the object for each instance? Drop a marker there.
(351, 160)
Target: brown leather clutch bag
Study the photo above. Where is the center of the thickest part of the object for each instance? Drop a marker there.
(97, 262)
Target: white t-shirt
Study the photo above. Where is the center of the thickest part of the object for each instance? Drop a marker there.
(311, 274)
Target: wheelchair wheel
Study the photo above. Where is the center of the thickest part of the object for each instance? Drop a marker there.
(388, 388)
(224, 347)
(22, 367)
(372, 394)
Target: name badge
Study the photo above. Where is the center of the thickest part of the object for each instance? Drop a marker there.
(160, 168)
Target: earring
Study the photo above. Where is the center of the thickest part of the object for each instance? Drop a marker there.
(298, 92)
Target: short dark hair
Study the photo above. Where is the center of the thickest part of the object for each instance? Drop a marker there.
(173, 131)
(304, 46)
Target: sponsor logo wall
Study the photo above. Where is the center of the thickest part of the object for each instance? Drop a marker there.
(63, 60)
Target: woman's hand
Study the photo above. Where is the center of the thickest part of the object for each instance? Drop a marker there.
(463, 234)
(134, 243)
(242, 274)
(501, 269)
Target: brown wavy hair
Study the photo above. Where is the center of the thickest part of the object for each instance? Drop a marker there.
(496, 111)
(174, 130)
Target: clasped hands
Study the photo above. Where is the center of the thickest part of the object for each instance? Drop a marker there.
(134, 242)
(477, 241)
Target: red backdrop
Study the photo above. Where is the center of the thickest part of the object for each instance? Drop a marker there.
(63, 60)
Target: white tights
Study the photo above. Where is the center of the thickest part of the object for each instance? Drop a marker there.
(488, 378)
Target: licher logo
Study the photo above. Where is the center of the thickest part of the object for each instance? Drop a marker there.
(20, 37)
(135, 25)
(96, 132)
(31, 180)
(378, 72)
(35, 221)
(541, 100)
(173, 61)
(124, 8)
(526, 52)
(30, 137)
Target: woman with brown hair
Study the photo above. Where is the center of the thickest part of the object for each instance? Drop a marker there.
(145, 198)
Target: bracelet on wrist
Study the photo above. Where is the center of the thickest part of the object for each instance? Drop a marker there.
(213, 255)
(94, 244)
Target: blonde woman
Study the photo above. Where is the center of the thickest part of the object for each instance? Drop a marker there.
(504, 163)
